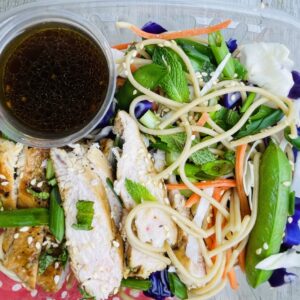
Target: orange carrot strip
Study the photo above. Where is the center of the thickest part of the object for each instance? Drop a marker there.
(204, 184)
(242, 260)
(232, 279)
(192, 200)
(228, 254)
(239, 174)
(176, 34)
(120, 81)
(122, 46)
(203, 119)
(133, 68)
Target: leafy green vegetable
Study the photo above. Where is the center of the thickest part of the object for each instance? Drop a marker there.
(230, 156)
(40, 195)
(137, 284)
(138, 192)
(292, 199)
(252, 127)
(174, 83)
(196, 50)
(202, 156)
(50, 256)
(295, 142)
(85, 215)
(217, 168)
(200, 56)
(52, 182)
(220, 50)
(177, 287)
(85, 295)
(175, 142)
(225, 118)
(262, 112)
(45, 261)
(248, 102)
(240, 69)
(149, 76)
(195, 173)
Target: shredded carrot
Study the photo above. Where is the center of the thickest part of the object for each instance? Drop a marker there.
(204, 184)
(232, 279)
(120, 81)
(192, 200)
(133, 68)
(230, 273)
(175, 34)
(203, 119)
(242, 260)
(122, 46)
(217, 195)
(239, 174)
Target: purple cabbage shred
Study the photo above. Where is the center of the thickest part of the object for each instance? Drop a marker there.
(152, 27)
(295, 90)
(232, 45)
(281, 277)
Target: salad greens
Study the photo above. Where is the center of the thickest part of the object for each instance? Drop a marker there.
(174, 82)
(137, 284)
(138, 192)
(177, 287)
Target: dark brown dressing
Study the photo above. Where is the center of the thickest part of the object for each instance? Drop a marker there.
(54, 79)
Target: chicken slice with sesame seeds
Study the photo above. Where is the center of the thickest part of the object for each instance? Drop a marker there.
(33, 174)
(152, 226)
(9, 155)
(22, 255)
(92, 252)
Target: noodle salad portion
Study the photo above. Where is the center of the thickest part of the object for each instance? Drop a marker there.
(192, 174)
(221, 128)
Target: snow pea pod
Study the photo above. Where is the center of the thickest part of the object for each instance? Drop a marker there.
(273, 208)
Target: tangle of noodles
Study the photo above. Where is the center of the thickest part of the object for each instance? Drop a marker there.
(230, 229)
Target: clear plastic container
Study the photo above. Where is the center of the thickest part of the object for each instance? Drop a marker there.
(251, 22)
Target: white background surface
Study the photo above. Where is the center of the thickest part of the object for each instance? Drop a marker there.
(288, 292)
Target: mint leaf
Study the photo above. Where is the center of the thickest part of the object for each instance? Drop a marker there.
(45, 261)
(175, 142)
(202, 156)
(230, 156)
(225, 118)
(174, 83)
(85, 215)
(138, 192)
(261, 112)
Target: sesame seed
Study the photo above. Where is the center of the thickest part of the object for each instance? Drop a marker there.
(40, 184)
(29, 240)
(134, 53)
(56, 279)
(21, 175)
(126, 73)
(193, 137)
(134, 92)
(258, 251)
(290, 220)
(265, 246)
(33, 181)
(38, 246)
(235, 75)
(16, 235)
(287, 183)
(116, 244)
(56, 265)
(24, 229)
(204, 74)
(2, 176)
(4, 183)
(160, 45)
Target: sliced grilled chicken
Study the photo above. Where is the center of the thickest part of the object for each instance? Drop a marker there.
(97, 254)
(9, 155)
(22, 249)
(153, 226)
(33, 177)
(101, 167)
(22, 254)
